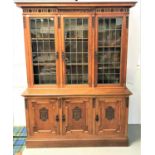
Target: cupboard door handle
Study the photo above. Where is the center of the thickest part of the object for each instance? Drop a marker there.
(96, 55)
(63, 56)
(97, 118)
(56, 55)
(63, 118)
(57, 118)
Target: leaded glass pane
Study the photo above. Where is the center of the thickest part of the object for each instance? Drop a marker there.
(43, 50)
(76, 49)
(109, 49)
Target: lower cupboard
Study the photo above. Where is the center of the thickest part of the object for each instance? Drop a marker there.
(76, 121)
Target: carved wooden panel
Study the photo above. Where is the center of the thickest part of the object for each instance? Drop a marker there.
(77, 115)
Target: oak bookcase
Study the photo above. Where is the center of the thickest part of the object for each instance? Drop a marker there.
(76, 58)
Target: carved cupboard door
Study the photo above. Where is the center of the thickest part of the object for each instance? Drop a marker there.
(109, 114)
(43, 116)
(76, 117)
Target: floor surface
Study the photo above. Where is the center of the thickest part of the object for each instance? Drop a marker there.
(132, 149)
(19, 137)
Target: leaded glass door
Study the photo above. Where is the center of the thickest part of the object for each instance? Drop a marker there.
(108, 54)
(44, 51)
(76, 52)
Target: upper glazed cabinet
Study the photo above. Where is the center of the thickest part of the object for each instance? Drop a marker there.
(76, 48)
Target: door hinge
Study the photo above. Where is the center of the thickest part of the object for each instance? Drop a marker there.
(63, 118)
(57, 118)
(56, 55)
(24, 21)
(127, 102)
(25, 103)
(97, 118)
(127, 21)
(63, 56)
(34, 129)
(94, 102)
(60, 102)
(59, 22)
(96, 55)
(93, 21)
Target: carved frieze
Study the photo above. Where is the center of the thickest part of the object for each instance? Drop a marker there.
(51, 10)
(108, 9)
(76, 10)
(39, 10)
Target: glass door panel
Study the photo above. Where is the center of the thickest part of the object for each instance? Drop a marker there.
(43, 50)
(109, 49)
(76, 50)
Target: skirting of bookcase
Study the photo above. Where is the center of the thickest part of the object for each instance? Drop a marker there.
(45, 143)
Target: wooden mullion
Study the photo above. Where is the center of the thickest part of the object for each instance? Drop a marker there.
(124, 46)
(90, 44)
(56, 32)
(62, 47)
(96, 51)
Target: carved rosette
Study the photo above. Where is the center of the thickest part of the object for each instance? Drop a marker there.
(110, 113)
(43, 114)
(76, 113)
